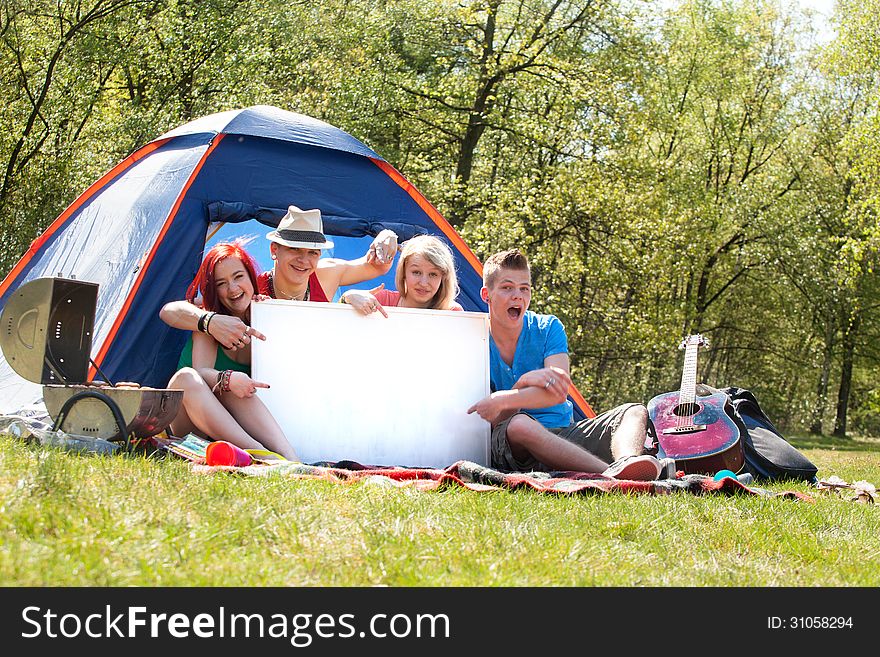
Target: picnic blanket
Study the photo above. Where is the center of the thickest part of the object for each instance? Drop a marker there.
(479, 478)
(472, 476)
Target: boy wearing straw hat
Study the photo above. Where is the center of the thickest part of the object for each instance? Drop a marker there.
(299, 273)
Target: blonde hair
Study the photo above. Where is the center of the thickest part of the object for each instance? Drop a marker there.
(439, 255)
(510, 259)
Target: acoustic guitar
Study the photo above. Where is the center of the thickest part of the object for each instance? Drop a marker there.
(699, 432)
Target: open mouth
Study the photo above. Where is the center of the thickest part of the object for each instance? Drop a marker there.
(514, 312)
(236, 297)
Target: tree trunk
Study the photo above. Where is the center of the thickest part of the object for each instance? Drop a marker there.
(476, 124)
(849, 347)
(703, 300)
(824, 375)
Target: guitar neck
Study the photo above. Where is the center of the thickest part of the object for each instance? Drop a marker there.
(688, 391)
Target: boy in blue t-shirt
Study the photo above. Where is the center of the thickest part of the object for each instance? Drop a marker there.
(529, 411)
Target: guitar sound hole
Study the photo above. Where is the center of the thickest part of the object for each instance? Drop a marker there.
(683, 410)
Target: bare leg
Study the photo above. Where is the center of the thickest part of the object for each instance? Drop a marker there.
(181, 424)
(255, 418)
(528, 436)
(204, 411)
(629, 439)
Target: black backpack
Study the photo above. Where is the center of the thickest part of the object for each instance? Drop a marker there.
(768, 455)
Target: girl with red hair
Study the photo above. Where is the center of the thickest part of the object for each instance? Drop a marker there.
(219, 395)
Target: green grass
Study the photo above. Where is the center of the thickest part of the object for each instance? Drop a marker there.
(72, 520)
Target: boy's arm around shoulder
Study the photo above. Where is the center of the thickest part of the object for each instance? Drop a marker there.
(225, 329)
(181, 315)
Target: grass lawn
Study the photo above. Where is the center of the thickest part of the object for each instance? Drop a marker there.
(71, 520)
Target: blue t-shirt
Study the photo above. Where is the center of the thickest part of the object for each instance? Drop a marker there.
(542, 336)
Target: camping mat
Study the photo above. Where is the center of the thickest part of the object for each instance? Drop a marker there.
(476, 477)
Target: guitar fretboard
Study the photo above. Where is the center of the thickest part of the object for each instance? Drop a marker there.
(687, 394)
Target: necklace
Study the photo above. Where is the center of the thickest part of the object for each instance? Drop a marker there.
(275, 291)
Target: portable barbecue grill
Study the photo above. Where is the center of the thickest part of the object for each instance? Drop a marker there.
(46, 333)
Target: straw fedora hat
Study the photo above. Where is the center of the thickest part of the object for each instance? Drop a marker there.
(300, 229)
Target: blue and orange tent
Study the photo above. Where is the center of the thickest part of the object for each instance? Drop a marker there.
(141, 229)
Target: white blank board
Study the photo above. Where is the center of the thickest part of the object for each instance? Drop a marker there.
(378, 391)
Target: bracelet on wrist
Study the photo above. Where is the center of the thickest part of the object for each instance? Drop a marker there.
(201, 323)
(225, 376)
(208, 323)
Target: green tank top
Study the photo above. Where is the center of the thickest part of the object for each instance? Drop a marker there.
(222, 362)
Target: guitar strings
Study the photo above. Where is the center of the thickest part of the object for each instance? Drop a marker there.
(684, 421)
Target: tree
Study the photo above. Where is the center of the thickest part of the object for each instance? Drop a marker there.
(55, 68)
(851, 69)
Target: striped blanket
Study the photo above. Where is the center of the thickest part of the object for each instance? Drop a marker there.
(480, 478)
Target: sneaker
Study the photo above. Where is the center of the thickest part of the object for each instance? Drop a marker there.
(634, 468)
(667, 468)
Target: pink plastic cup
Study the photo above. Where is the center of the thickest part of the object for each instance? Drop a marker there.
(220, 452)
